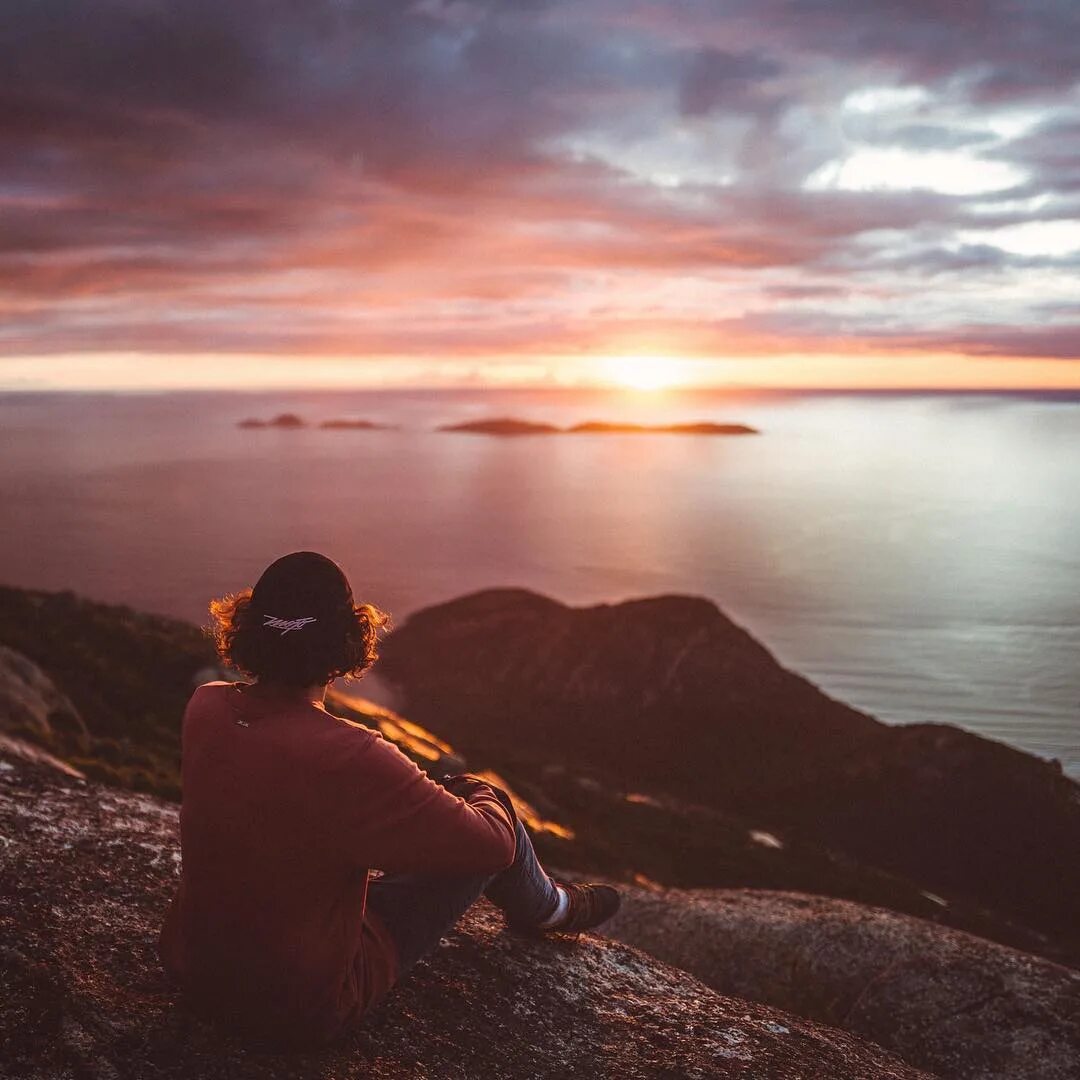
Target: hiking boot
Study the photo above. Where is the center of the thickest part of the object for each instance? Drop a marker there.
(589, 905)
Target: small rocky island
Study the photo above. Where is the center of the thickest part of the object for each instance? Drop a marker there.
(290, 421)
(347, 424)
(501, 426)
(282, 420)
(513, 426)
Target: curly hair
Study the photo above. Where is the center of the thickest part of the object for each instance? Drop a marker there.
(345, 645)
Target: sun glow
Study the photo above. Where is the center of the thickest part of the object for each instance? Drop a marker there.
(643, 372)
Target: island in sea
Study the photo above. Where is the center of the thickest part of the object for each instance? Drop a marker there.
(290, 421)
(282, 420)
(515, 426)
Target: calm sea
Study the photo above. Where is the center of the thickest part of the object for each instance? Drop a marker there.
(917, 556)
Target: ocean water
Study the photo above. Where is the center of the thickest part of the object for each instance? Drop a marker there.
(917, 556)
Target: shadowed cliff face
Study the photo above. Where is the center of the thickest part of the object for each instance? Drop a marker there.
(667, 695)
(88, 873)
(949, 1002)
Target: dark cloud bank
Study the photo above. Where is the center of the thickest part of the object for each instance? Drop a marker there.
(510, 177)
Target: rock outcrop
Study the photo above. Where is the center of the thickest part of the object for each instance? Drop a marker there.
(127, 673)
(667, 695)
(949, 1002)
(86, 876)
(32, 707)
(12, 749)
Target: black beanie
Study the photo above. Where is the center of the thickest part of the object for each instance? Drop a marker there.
(302, 591)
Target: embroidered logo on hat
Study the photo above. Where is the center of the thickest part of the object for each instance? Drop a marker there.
(285, 625)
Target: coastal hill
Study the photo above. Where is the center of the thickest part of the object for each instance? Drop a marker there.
(666, 696)
(91, 871)
(112, 684)
(953, 1003)
(511, 426)
(127, 677)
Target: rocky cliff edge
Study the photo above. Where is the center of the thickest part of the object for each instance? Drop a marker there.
(87, 872)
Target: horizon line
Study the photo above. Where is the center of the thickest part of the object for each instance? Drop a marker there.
(548, 388)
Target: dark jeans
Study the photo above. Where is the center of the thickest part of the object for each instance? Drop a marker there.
(419, 909)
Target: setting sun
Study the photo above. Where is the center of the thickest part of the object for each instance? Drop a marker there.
(643, 372)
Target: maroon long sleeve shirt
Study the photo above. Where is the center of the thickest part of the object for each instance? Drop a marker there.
(285, 809)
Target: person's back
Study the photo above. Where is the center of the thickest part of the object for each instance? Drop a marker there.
(267, 918)
(285, 809)
(275, 928)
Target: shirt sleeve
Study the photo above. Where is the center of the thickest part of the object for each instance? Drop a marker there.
(414, 825)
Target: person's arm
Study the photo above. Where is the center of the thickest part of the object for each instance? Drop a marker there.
(417, 826)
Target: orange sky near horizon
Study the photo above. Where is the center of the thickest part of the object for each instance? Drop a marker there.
(634, 372)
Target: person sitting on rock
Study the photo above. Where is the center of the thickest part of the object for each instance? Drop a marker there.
(277, 927)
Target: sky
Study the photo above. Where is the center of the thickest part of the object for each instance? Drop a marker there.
(323, 192)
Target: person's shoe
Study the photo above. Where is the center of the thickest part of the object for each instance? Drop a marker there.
(588, 906)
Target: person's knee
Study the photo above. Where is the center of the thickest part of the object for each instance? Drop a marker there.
(504, 797)
(499, 791)
(462, 783)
